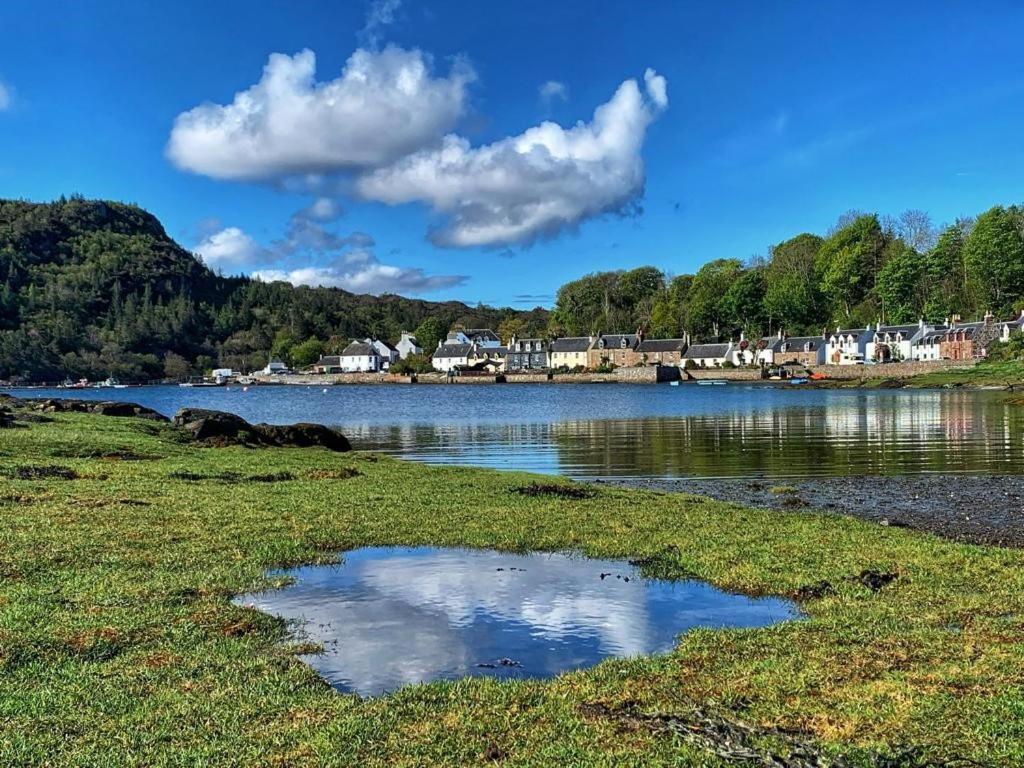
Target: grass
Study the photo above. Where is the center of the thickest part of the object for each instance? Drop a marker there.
(119, 644)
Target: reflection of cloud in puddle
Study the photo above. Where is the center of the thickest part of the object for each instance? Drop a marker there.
(555, 595)
(390, 617)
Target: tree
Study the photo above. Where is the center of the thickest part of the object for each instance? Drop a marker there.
(429, 332)
(791, 295)
(305, 354)
(705, 312)
(176, 367)
(846, 266)
(993, 256)
(511, 327)
(946, 276)
(743, 302)
(899, 287)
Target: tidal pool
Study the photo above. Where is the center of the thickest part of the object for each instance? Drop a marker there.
(389, 616)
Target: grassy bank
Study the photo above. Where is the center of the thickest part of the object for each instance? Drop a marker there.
(121, 546)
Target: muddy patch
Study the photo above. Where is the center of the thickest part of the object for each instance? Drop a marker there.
(233, 478)
(341, 473)
(554, 490)
(42, 472)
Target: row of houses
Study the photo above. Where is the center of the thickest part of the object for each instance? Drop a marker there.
(480, 349)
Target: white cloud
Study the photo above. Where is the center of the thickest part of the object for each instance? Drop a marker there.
(230, 249)
(360, 271)
(552, 90)
(383, 106)
(5, 96)
(537, 184)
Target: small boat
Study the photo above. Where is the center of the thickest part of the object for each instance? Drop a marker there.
(673, 383)
(713, 383)
(798, 381)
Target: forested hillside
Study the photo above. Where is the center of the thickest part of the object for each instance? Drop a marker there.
(868, 268)
(94, 289)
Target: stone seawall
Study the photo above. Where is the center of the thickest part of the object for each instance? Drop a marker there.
(651, 374)
(841, 372)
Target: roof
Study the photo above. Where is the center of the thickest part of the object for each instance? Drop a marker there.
(409, 338)
(481, 333)
(330, 361)
(797, 343)
(706, 350)
(662, 345)
(453, 350)
(387, 344)
(358, 349)
(571, 344)
(855, 332)
(491, 351)
(614, 340)
(906, 330)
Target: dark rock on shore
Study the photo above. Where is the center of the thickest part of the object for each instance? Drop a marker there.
(101, 407)
(218, 429)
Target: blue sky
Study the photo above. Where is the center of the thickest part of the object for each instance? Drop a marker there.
(756, 121)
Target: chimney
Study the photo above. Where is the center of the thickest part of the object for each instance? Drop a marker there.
(780, 333)
(989, 317)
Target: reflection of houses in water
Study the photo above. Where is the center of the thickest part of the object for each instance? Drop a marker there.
(837, 433)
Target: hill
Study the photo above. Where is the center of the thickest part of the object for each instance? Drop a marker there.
(93, 288)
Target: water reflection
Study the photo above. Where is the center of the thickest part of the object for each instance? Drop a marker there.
(389, 617)
(643, 430)
(906, 433)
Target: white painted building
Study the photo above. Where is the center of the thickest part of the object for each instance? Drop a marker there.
(274, 368)
(893, 343)
(482, 337)
(708, 355)
(408, 345)
(449, 356)
(360, 356)
(387, 353)
(847, 347)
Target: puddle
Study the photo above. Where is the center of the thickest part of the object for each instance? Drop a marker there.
(388, 617)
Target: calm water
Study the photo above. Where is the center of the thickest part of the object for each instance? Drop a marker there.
(608, 430)
(388, 617)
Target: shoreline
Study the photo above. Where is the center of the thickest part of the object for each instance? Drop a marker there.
(973, 509)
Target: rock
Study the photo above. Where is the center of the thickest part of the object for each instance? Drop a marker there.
(220, 429)
(101, 407)
(6, 419)
(303, 436)
(214, 426)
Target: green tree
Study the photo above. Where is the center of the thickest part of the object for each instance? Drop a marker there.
(791, 295)
(994, 259)
(706, 313)
(900, 288)
(429, 332)
(846, 267)
(946, 276)
(308, 352)
(176, 367)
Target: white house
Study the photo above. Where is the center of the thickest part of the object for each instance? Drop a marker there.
(274, 368)
(708, 355)
(359, 356)
(408, 345)
(222, 374)
(387, 353)
(847, 347)
(929, 346)
(742, 352)
(448, 356)
(570, 351)
(892, 343)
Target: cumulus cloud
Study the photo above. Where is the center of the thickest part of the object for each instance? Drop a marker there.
(230, 250)
(382, 107)
(534, 185)
(5, 96)
(552, 90)
(360, 271)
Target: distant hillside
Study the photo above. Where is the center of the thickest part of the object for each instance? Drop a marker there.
(96, 288)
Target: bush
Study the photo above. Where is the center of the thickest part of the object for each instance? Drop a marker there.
(728, 364)
(412, 364)
(690, 364)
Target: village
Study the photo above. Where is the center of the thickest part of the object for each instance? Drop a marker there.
(480, 351)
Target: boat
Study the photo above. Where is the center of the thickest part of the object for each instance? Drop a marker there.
(713, 383)
(798, 381)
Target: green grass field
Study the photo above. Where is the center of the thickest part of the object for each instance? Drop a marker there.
(119, 644)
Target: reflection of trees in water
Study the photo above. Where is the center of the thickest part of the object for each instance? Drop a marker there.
(866, 433)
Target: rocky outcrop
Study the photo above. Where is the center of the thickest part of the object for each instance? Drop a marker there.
(218, 428)
(101, 407)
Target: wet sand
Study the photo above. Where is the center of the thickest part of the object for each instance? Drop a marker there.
(976, 509)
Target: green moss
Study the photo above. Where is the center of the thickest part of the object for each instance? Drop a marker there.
(119, 644)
